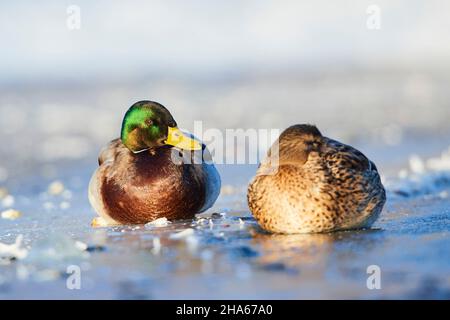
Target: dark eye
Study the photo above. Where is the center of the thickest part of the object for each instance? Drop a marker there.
(149, 122)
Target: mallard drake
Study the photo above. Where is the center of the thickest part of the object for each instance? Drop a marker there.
(309, 183)
(153, 170)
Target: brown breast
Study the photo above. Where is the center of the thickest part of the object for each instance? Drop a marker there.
(138, 188)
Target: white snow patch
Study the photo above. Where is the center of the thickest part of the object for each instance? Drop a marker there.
(13, 251)
(424, 176)
(158, 223)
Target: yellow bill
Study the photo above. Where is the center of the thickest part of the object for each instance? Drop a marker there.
(176, 138)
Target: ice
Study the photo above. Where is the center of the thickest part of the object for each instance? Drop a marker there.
(224, 253)
(3, 192)
(47, 205)
(158, 223)
(81, 245)
(99, 222)
(192, 243)
(46, 275)
(416, 164)
(57, 248)
(182, 234)
(156, 246)
(227, 190)
(13, 251)
(67, 194)
(8, 201)
(11, 214)
(441, 163)
(64, 205)
(423, 177)
(3, 174)
(22, 272)
(56, 115)
(56, 188)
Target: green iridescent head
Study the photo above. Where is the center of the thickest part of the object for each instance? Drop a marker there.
(148, 125)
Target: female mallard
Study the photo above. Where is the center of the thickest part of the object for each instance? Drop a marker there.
(154, 170)
(317, 185)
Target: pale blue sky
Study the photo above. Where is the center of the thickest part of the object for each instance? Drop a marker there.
(201, 37)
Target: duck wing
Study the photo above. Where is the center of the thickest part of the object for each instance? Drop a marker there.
(339, 155)
(110, 151)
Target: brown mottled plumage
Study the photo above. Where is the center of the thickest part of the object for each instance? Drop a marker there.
(319, 185)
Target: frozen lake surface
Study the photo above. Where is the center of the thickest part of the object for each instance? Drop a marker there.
(53, 133)
(64, 91)
(223, 253)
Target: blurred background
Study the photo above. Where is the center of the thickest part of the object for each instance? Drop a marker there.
(374, 74)
(70, 69)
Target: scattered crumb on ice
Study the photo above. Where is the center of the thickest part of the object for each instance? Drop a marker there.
(81, 245)
(11, 214)
(99, 222)
(158, 223)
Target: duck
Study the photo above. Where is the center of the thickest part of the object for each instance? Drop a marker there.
(154, 170)
(308, 183)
